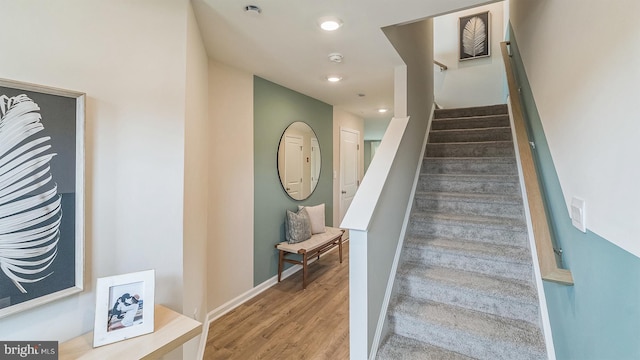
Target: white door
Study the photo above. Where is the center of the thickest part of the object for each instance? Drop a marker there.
(349, 182)
(315, 163)
(293, 165)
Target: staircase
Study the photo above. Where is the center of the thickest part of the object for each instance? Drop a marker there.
(465, 286)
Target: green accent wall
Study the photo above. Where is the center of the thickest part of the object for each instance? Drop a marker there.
(275, 107)
(599, 317)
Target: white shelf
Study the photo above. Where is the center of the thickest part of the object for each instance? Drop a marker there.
(171, 331)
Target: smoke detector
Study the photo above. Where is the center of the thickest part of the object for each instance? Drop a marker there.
(335, 57)
(252, 10)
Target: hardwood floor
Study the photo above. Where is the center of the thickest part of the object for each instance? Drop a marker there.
(286, 322)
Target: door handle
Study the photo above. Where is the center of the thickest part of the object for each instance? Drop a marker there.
(344, 192)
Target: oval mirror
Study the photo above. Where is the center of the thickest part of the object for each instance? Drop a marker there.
(299, 160)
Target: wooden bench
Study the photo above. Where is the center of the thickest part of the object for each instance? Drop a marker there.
(313, 247)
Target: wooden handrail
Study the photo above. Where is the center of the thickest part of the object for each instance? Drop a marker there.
(548, 266)
(441, 65)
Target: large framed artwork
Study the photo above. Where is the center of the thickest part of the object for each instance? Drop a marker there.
(474, 36)
(41, 194)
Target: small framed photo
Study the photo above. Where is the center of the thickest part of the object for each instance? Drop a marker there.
(124, 307)
(475, 36)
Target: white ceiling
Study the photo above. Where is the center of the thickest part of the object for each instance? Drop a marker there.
(285, 45)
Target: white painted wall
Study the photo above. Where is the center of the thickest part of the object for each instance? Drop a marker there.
(580, 61)
(374, 128)
(344, 119)
(196, 162)
(230, 244)
(129, 57)
(470, 82)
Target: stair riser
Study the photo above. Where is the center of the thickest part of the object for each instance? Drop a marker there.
(504, 166)
(447, 136)
(509, 307)
(397, 347)
(487, 149)
(469, 112)
(479, 186)
(460, 261)
(458, 341)
(444, 229)
(471, 123)
(511, 211)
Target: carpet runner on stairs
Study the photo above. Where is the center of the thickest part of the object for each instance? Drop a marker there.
(465, 286)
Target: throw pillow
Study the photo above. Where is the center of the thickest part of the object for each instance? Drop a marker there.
(297, 226)
(316, 216)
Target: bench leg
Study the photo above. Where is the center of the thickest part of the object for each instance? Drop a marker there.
(340, 248)
(280, 264)
(304, 271)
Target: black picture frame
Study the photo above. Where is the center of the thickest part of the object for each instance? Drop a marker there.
(59, 235)
(474, 36)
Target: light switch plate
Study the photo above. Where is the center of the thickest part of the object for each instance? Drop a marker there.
(578, 218)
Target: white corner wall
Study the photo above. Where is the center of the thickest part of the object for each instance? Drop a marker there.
(196, 181)
(580, 61)
(344, 119)
(471, 82)
(231, 198)
(129, 58)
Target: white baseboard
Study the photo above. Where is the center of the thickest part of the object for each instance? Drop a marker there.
(225, 308)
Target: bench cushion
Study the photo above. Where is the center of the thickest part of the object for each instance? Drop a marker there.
(313, 243)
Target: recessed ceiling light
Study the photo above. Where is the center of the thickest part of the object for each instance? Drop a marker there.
(383, 110)
(334, 78)
(330, 24)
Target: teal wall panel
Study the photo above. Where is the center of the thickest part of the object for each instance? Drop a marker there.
(275, 107)
(599, 317)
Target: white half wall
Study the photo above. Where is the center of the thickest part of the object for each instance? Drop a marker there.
(474, 82)
(129, 58)
(231, 198)
(580, 61)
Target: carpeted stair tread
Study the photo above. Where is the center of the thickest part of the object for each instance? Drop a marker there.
(499, 109)
(471, 197)
(470, 165)
(477, 249)
(470, 122)
(397, 347)
(510, 298)
(508, 206)
(470, 135)
(428, 224)
(472, 333)
(471, 149)
(470, 183)
(473, 256)
(484, 221)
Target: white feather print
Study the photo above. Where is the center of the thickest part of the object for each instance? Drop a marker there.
(30, 207)
(474, 36)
